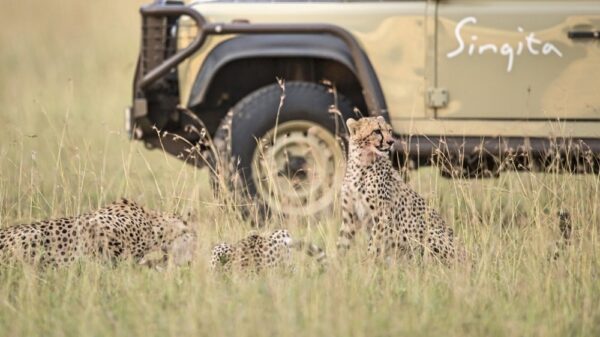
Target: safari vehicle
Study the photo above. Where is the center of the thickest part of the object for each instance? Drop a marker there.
(474, 86)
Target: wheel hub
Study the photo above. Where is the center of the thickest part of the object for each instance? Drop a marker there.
(297, 168)
(294, 168)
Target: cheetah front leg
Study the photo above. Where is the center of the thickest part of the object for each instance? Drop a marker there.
(350, 223)
(378, 240)
(440, 246)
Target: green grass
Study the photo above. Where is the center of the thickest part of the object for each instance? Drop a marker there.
(65, 77)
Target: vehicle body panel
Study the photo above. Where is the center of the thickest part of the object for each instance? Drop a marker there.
(392, 33)
(514, 60)
(485, 76)
(542, 95)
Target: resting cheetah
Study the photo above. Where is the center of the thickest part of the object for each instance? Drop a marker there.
(375, 196)
(257, 252)
(120, 230)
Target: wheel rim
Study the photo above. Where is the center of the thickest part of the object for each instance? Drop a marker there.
(296, 168)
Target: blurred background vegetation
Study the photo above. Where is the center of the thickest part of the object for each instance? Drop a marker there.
(65, 80)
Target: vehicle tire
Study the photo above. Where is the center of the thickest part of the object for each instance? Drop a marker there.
(287, 160)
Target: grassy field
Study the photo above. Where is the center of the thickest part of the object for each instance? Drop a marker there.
(65, 77)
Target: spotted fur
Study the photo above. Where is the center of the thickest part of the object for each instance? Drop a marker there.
(376, 198)
(566, 230)
(256, 252)
(118, 231)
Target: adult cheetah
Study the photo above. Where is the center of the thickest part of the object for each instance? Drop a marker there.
(374, 196)
(115, 232)
(257, 252)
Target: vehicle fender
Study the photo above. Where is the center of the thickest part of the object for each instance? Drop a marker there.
(273, 45)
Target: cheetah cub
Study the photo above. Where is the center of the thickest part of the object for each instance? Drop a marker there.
(115, 232)
(375, 197)
(260, 252)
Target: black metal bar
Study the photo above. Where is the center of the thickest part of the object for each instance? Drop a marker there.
(577, 155)
(204, 29)
(180, 56)
(593, 34)
(419, 146)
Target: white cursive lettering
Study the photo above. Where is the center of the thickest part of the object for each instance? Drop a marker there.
(550, 48)
(505, 49)
(461, 44)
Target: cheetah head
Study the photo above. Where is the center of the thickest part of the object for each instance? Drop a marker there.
(222, 254)
(178, 239)
(281, 237)
(280, 243)
(370, 136)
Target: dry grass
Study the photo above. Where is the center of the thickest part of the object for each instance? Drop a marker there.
(64, 80)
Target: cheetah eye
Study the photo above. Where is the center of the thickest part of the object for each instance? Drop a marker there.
(377, 132)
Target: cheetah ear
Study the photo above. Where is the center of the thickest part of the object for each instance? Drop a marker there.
(351, 124)
(381, 119)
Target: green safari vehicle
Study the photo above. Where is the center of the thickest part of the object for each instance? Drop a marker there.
(472, 86)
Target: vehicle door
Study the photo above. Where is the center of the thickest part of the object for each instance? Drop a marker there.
(518, 60)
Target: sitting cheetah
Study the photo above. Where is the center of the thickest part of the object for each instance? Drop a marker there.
(120, 230)
(375, 196)
(257, 252)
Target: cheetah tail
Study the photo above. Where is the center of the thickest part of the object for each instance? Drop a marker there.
(566, 229)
